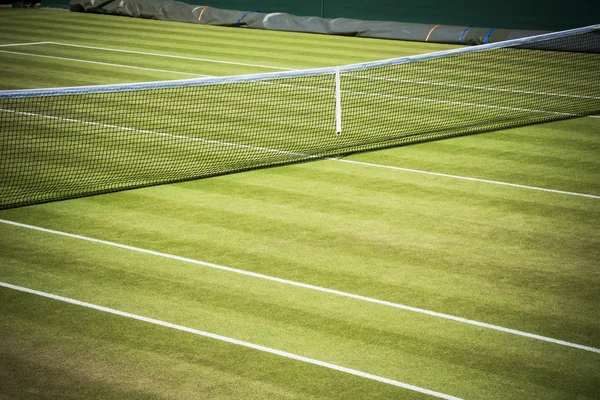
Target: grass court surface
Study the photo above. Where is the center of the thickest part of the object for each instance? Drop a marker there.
(465, 267)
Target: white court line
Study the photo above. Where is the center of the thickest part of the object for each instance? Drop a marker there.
(465, 178)
(194, 139)
(23, 44)
(452, 85)
(307, 286)
(424, 99)
(101, 63)
(170, 135)
(226, 339)
(172, 56)
(461, 103)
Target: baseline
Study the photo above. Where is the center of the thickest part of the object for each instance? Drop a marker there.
(231, 341)
(307, 286)
(102, 63)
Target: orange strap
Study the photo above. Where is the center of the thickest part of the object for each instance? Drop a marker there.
(429, 34)
(202, 12)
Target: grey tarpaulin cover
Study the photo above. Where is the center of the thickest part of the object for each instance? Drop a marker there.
(170, 10)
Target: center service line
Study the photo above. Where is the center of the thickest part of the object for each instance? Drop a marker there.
(232, 341)
(308, 286)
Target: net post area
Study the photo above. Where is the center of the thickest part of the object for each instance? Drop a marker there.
(63, 143)
(338, 102)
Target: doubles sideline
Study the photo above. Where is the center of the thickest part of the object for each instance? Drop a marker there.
(232, 341)
(308, 286)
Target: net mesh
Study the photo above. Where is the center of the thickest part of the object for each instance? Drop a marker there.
(64, 143)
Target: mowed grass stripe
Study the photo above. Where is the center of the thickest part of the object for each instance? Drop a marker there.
(90, 354)
(466, 178)
(233, 341)
(102, 63)
(141, 60)
(463, 360)
(168, 56)
(381, 235)
(36, 72)
(523, 260)
(307, 286)
(559, 156)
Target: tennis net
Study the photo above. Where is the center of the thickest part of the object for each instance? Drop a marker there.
(69, 142)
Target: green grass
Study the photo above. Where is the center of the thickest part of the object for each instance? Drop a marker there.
(514, 257)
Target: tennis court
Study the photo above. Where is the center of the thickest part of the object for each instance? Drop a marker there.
(457, 268)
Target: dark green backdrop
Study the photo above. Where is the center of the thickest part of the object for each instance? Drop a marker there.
(511, 14)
